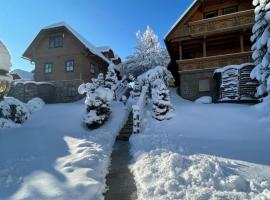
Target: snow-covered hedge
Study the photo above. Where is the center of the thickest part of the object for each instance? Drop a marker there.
(98, 108)
(35, 104)
(14, 112)
(158, 72)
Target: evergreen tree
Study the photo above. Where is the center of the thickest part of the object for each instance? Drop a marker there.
(161, 101)
(148, 54)
(111, 79)
(261, 46)
(136, 90)
(98, 108)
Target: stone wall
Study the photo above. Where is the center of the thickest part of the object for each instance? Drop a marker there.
(50, 92)
(189, 85)
(62, 93)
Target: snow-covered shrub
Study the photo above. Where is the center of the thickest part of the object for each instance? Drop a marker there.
(161, 101)
(99, 81)
(136, 90)
(13, 110)
(204, 100)
(111, 79)
(35, 104)
(158, 72)
(98, 108)
(148, 54)
(260, 48)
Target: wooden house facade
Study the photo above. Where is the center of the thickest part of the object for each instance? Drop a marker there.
(211, 34)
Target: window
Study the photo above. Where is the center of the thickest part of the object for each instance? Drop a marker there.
(72, 92)
(56, 41)
(48, 68)
(92, 68)
(210, 14)
(230, 10)
(204, 85)
(69, 66)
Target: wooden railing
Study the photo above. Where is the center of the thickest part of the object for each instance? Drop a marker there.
(229, 22)
(138, 110)
(121, 88)
(213, 62)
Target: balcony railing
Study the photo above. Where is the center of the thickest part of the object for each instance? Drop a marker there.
(213, 62)
(223, 23)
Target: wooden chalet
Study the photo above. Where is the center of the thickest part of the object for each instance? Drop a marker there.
(211, 34)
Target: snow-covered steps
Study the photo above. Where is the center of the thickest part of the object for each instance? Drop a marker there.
(126, 130)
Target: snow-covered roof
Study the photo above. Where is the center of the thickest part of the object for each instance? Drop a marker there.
(181, 17)
(104, 48)
(85, 42)
(24, 75)
(223, 69)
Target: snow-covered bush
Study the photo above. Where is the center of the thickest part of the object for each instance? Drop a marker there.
(99, 81)
(136, 89)
(35, 105)
(98, 108)
(204, 100)
(111, 79)
(148, 54)
(158, 72)
(261, 51)
(13, 110)
(161, 101)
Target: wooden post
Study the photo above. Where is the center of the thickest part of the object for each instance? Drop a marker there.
(204, 47)
(180, 51)
(242, 48)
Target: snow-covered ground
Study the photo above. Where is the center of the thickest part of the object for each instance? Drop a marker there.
(206, 151)
(52, 156)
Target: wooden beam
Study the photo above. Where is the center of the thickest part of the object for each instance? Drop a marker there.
(242, 45)
(180, 51)
(204, 47)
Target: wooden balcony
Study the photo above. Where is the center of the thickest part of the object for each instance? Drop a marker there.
(219, 24)
(213, 62)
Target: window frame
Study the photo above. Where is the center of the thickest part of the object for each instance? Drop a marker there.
(54, 43)
(71, 91)
(92, 68)
(231, 7)
(45, 68)
(67, 67)
(208, 12)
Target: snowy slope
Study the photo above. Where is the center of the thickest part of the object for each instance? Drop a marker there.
(206, 151)
(52, 156)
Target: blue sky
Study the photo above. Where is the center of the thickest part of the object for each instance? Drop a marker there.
(102, 22)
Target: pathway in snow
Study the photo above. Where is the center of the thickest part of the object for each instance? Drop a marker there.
(120, 180)
(52, 156)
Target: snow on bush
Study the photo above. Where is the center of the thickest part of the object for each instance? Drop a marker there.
(204, 100)
(111, 79)
(35, 105)
(99, 81)
(98, 108)
(136, 89)
(161, 101)
(261, 51)
(162, 174)
(148, 54)
(158, 72)
(13, 110)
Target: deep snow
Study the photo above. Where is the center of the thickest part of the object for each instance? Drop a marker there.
(52, 156)
(206, 151)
